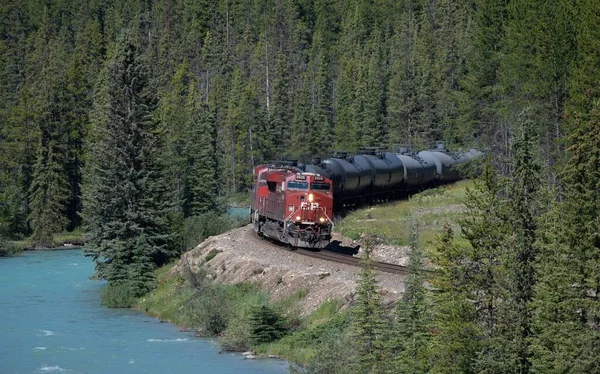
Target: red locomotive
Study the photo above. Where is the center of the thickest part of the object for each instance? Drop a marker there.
(292, 206)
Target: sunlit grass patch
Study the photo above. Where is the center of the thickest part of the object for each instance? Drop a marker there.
(433, 208)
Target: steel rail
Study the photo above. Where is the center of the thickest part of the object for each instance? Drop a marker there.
(337, 257)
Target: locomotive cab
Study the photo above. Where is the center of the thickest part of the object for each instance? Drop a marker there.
(294, 207)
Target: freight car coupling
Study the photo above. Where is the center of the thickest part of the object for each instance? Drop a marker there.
(294, 203)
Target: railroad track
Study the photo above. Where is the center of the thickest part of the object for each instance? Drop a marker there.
(338, 257)
(351, 260)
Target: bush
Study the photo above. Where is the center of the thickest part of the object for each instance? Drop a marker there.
(118, 295)
(8, 249)
(198, 228)
(238, 336)
(266, 325)
(209, 310)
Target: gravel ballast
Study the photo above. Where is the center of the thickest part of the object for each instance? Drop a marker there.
(239, 255)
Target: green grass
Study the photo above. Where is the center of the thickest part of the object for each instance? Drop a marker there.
(300, 345)
(76, 237)
(174, 298)
(166, 300)
(433, 208)
(8, 248)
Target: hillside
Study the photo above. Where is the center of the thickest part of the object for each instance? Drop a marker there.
(432, 208)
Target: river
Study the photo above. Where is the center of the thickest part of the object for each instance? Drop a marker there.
(51, 320)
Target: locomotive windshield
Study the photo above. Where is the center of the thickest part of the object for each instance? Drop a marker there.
(320, 186)
(298, 185)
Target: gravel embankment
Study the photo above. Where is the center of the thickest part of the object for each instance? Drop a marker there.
(240, 256)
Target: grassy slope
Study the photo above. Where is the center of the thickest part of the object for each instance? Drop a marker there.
(433, 208)
(173, 301)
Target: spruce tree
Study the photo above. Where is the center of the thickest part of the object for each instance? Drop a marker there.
(123, 194)
(472, 285)
(459, 335)
(368, 327)
(411, 336)
(567, 301)
(199, 151)
(524, 210)
(49, 194)
(49, 190)
(266, 324)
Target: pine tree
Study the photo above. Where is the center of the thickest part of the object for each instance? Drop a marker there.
(567, 302)
(199, 151)
(123, 195)
(368, 328)
(49, 194)
(369, 105)
(401, 102)
(473, 283)
(411, 337)
(459, 333)
(266, 324)
(49, 191)
(521, 246)
(305, 131)
(583, 90)
(175, 114)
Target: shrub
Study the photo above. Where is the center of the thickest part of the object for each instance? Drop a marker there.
(8, 249)
(209, 310)
(118, 295)
(198, 228)
(266, 325)
(238, 336)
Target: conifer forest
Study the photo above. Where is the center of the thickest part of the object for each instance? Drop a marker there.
(125, 118)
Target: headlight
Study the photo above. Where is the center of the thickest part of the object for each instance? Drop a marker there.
(311, 197)
(298, 218)
(322, 219)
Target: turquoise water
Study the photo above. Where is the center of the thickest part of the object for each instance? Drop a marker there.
(238, 212)
(51, 321)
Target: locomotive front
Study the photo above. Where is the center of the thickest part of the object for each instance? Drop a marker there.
(309, 206)
(293, 207)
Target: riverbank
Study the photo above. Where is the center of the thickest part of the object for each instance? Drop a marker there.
(198, 304)
(64, 240)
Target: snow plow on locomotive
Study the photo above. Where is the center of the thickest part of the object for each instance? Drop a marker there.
(292, 206)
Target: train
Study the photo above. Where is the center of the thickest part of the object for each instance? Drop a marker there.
(294, 203)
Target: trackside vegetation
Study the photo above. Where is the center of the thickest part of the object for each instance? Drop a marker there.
(391, 222)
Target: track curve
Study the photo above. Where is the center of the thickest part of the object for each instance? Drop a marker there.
(335, 257)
